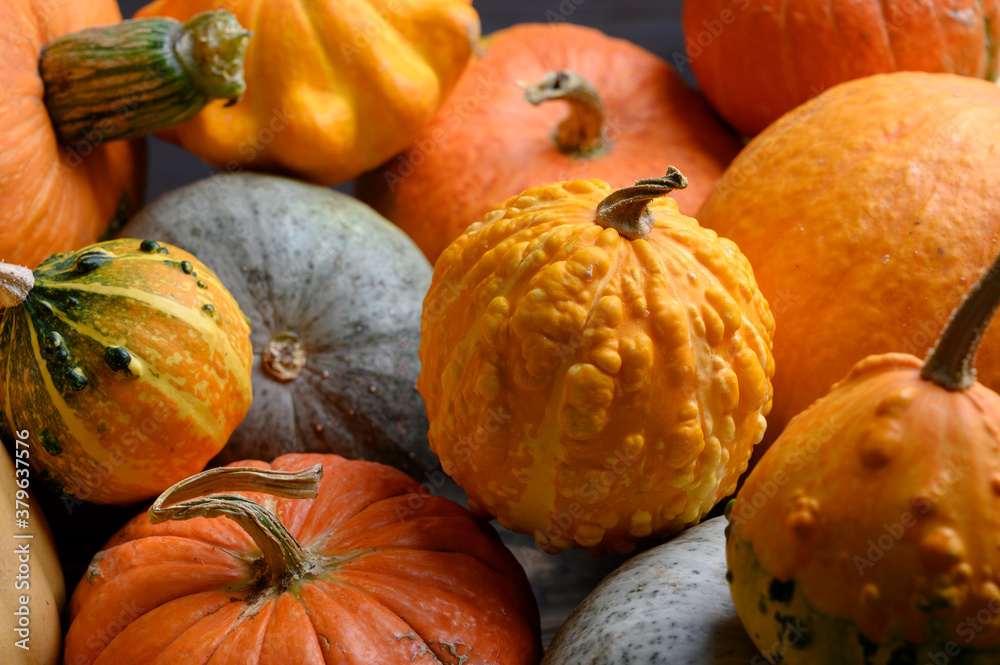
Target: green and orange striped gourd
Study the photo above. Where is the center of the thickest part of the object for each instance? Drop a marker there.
(127, 361)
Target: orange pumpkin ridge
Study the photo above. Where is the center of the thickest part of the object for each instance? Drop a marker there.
(368, 571)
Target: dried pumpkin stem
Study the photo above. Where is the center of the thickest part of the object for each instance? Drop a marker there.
(581, 133)
(284, 557)
(136, 77)
(950, 364)
(625, 210)
(15, 284)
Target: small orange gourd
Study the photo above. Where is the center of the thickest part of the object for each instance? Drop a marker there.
(595, 365)
(869, 531)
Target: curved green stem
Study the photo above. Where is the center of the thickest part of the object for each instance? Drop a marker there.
(131, 79)
(283, 556)
(581, 133)
(950, 362)
(15, 284)
(625, 210)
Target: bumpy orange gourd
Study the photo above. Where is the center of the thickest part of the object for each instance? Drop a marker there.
(615, 111)
(862, 212)
(758, 59)
(54, 199)
(589, 389)
(333, 88)
(869, 531)
(368, 571)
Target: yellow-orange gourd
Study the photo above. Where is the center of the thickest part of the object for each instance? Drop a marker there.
(333, 88)
(588, 389)
(869, 531)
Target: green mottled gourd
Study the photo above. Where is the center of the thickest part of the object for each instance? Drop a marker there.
(127, 361)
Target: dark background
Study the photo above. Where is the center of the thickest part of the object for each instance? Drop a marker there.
(652, 24)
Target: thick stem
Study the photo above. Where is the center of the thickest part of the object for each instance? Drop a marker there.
(950, 362)
(625, 210)
(581, 133)
(15, 284)
(131, 79)
(283, 556)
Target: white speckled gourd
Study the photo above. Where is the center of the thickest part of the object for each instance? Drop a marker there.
(333, 292)
(668, 605)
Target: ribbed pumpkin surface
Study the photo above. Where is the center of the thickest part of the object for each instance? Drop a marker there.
(396, 578)
(130, 368)
(587, 389)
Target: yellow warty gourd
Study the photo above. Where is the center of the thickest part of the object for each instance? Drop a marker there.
(587, 388)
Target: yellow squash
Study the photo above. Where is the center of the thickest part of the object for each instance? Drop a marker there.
(333, 88)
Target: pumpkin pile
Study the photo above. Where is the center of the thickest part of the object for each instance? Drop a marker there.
(564, 292)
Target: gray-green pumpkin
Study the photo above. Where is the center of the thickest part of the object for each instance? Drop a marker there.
(334, 294)
(669, 605)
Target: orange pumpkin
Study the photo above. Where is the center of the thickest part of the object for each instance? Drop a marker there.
(869, 531)
(55, 199)
(756, 59)
(595, 365)
(625, 113)
(333, 88)
(370, 571)
(865, 214)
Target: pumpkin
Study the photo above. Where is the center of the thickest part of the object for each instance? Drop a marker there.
(29, 568)
(332, 89)
(334, 294)
(129, 363)
(868, 532)
(87, 87)
(670, 604)
(755, 61)
(865, 213)
(598, 107)
(370, 571)
(595, 365)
